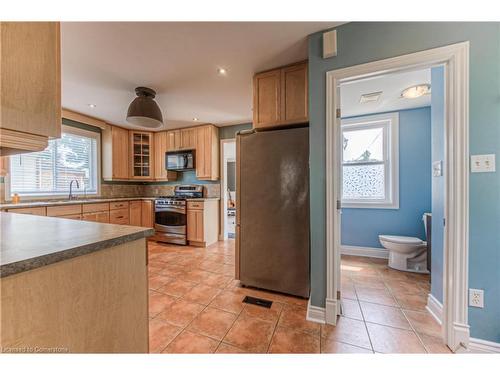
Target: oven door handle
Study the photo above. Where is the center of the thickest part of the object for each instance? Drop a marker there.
(176, 210)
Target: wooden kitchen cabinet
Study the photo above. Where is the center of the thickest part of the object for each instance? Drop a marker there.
(115, 153)
(120, 216)
(70, 209)
(147, 213)
(266, 99)
(207, 153)
(98, 217)
(160, 148)
(173, 140)
(280, 96)
(202, 222)
(141, 155)
(188, 139)
(30, 98)
(135, 213)
(41, 211)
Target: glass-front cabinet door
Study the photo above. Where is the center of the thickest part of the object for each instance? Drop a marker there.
(141, 145)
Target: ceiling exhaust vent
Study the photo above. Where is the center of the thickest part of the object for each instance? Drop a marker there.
(370, 98)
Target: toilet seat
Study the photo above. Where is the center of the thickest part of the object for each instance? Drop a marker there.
(401, 239)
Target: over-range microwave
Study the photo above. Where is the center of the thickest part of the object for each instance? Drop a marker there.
(180, 160)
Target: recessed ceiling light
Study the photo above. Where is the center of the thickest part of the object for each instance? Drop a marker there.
(92, 105)
(195, 118)
(416, 91)
(371, 97)
(221, 71)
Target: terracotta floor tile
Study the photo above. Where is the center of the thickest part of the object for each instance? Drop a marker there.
(375, 295)
(392, 274)
(369, 281)
(177, 287)
(154, 270)
(349, 331)
(423, 322)
(181, 312)
(351, 309)
(385, 315)
(399, 286)
(156, 264)
(217, 280)
(329, 346)
(288, 340)
(271, 315)
(228, 301)
(161, 334)
(434, 344)
(195, 276)
(173, 270)
(212, 322)
(295, 317)
(416, 302)
(291, 300)
(211, 266)
(158, 302)
(250, 334)
(394, 340)
(189, 342)
(229, 349)
(201, 294)
(157, 281)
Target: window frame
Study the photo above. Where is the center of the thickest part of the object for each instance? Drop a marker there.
(71, 130)
(389, 122)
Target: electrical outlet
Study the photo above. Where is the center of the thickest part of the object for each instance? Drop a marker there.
(476, 298)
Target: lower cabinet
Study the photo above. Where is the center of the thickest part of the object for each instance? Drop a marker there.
(135, 213)
(98, 217)
(147, 212)
(202, 222)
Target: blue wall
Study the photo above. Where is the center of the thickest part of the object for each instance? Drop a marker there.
(361, 226)
(438, 188)
(361, 42)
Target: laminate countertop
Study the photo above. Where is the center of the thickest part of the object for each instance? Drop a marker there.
(30, 241)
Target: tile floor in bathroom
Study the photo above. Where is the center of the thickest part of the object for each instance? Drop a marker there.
(196, 306)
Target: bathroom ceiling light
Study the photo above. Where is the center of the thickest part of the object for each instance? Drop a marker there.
(144, 111)
(371, 97)
(416, 91)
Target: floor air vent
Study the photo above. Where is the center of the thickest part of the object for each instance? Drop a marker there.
(258, 301)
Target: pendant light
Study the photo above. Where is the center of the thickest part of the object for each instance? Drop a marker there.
(144, 111)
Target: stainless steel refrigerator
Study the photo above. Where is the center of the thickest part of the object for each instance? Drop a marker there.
(272, 212)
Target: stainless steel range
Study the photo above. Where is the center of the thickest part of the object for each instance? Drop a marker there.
(170, 214)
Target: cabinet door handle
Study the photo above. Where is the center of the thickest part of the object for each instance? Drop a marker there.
(119, 217)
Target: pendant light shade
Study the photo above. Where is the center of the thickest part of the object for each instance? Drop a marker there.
(144, 111)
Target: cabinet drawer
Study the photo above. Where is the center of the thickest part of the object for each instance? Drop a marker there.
(99, 217)
(72, 209)
(118, 205)
(73, 217)
(195, 205)
(95, 207)
(119, 216)
(29, 210)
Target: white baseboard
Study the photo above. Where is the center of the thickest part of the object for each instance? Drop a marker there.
(372, 252)
(435, 308)
(483, 346)
(315, 313)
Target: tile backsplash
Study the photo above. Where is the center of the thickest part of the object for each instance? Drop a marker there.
(114, 190)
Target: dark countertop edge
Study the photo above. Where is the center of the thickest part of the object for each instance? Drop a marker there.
(10, 206)
(47, 259)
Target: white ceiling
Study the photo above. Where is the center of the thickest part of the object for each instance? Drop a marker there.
(102, 63)
(391, 86)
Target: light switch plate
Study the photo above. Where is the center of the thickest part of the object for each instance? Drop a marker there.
(437, 168)
(482, 163)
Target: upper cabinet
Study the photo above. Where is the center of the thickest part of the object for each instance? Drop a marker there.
(281, 96)
(161, 146)
(30, 95)
(115, 153)
(207, 152)
(141, 154)
(188, 138)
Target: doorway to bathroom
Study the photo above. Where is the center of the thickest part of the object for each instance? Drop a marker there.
(394, 157)
(228, 188)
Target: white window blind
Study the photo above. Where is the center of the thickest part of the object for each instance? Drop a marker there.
(74, 156)
(370, 162)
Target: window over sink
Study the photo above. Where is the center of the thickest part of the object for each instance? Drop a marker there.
(48, 173)
(370, 165)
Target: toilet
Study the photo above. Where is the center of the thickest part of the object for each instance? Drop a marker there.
(406, 253)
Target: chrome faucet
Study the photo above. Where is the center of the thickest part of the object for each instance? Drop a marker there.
(70, 197)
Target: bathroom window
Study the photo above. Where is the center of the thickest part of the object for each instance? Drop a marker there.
(370, 177)
(47, 173)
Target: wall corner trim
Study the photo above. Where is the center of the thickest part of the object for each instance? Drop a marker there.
(483, 346)
(315, 314)
(435, 308)
(360, 251)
